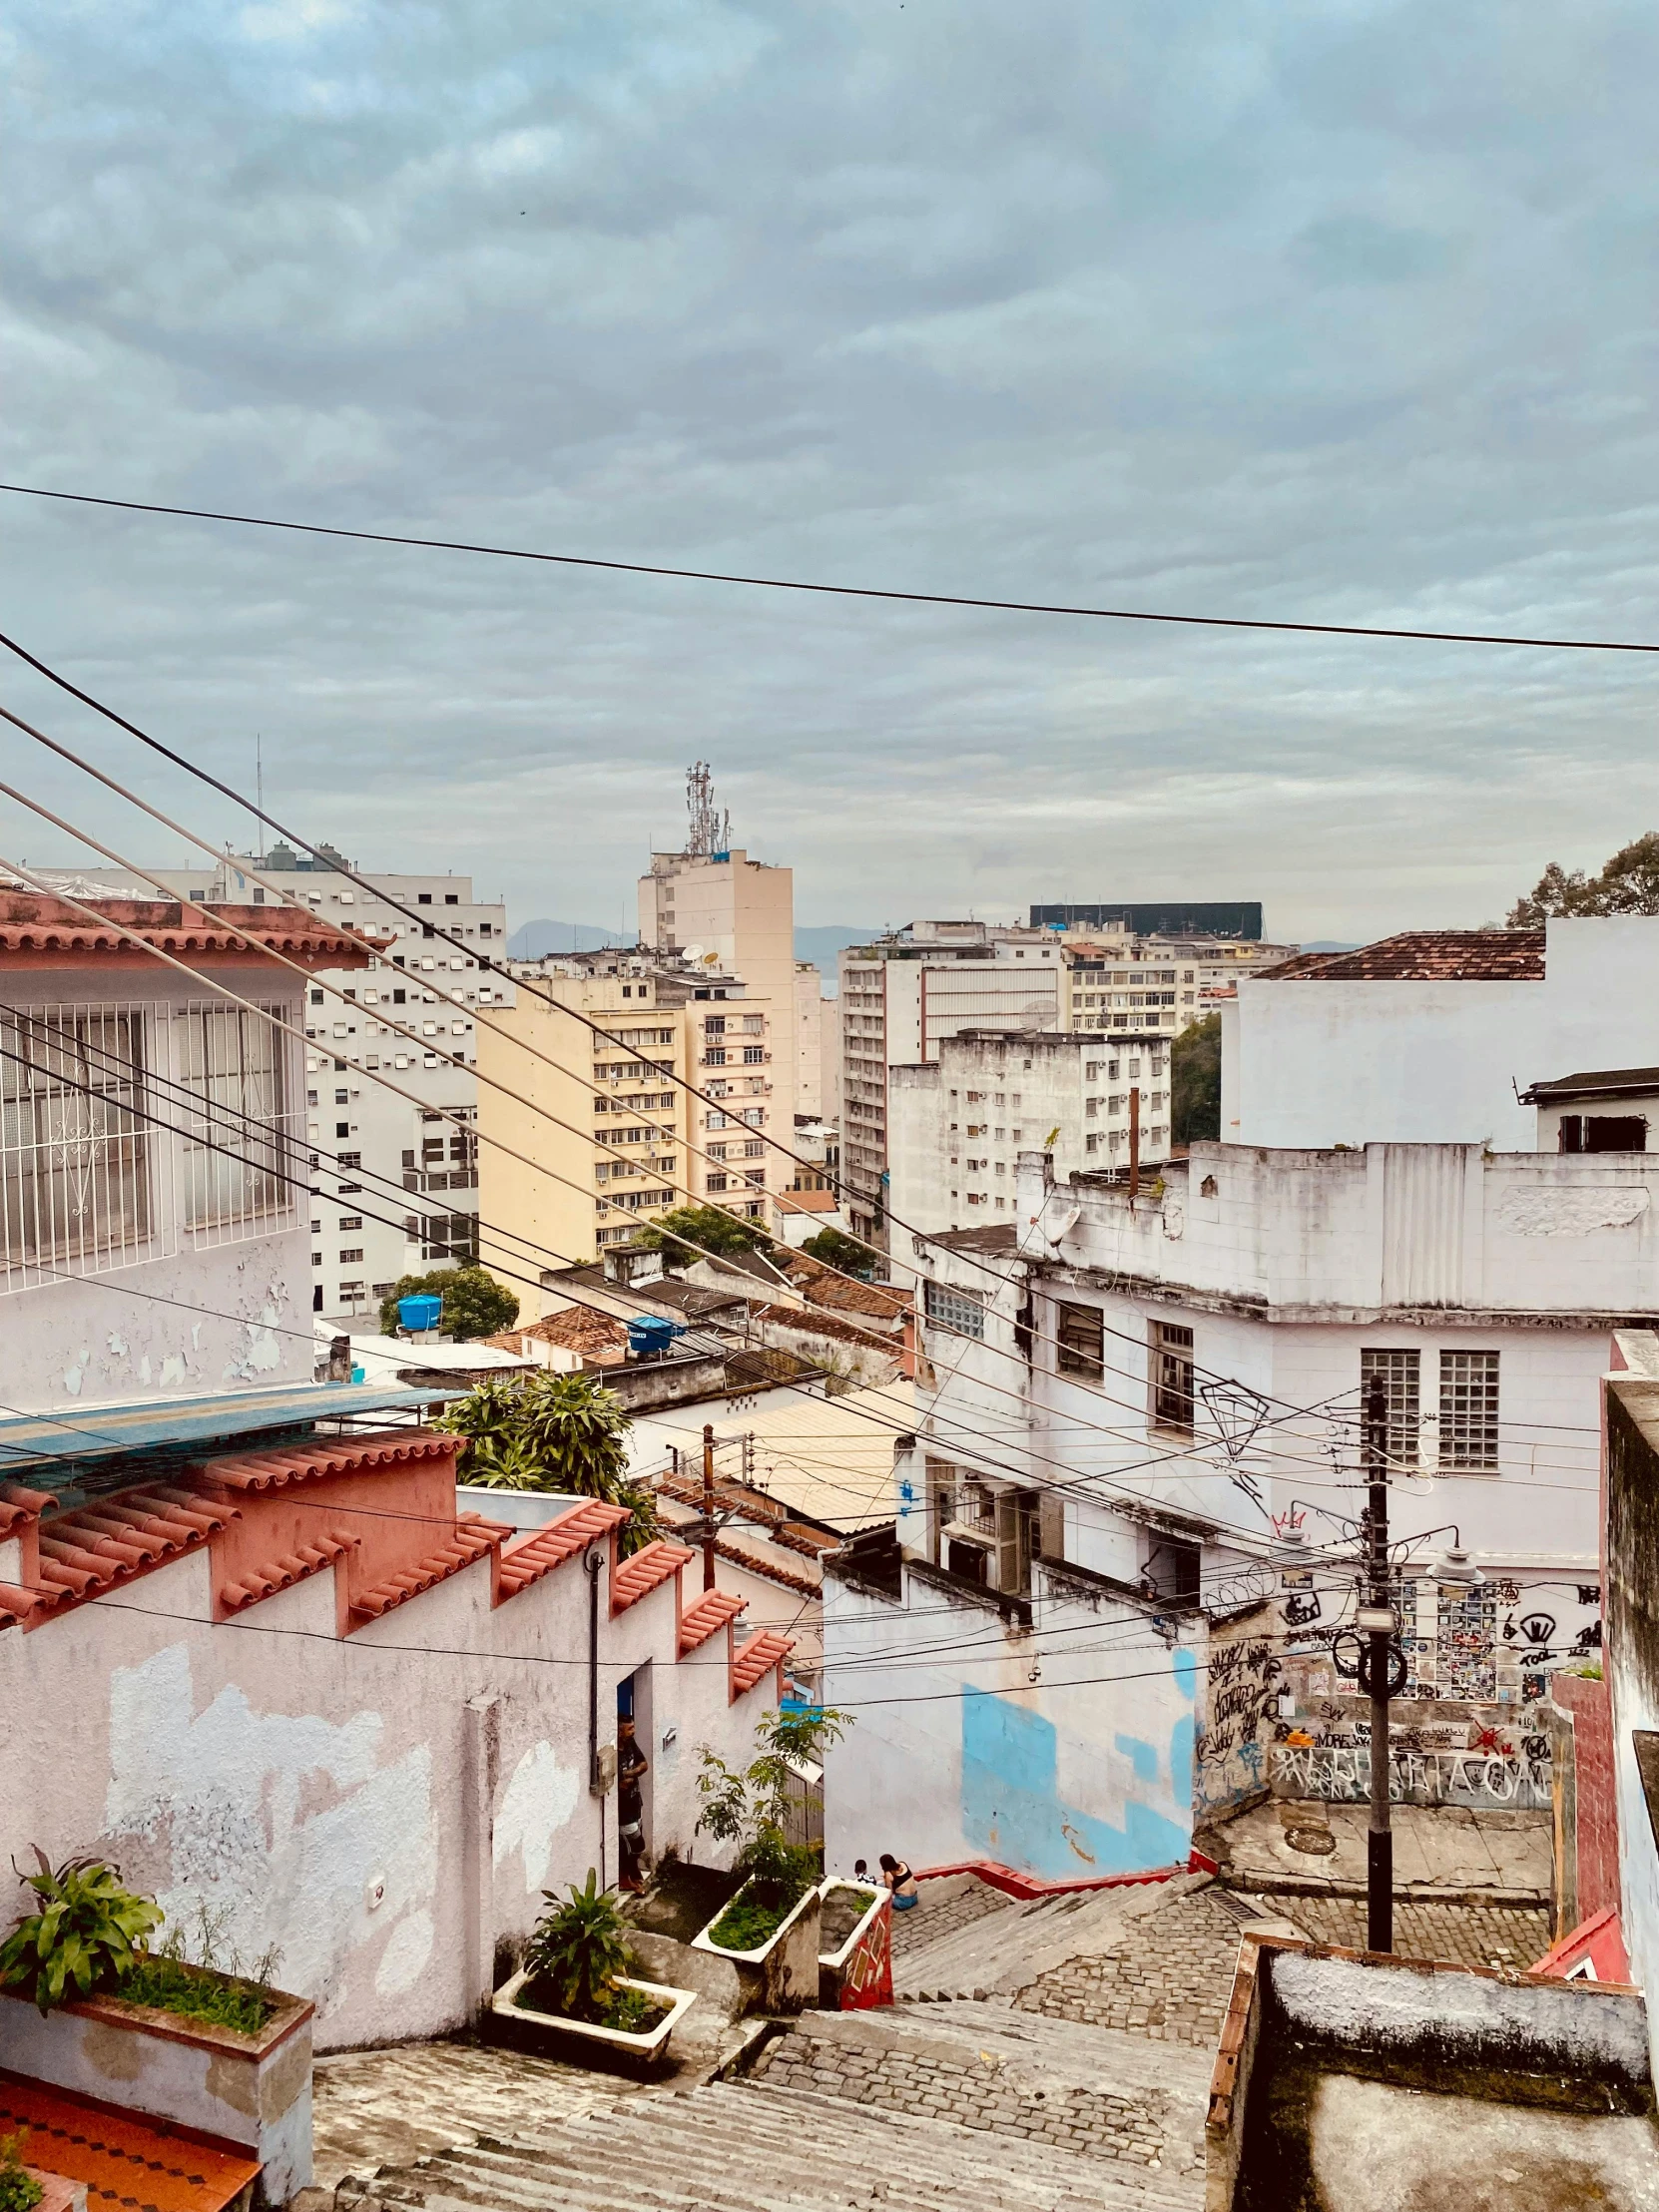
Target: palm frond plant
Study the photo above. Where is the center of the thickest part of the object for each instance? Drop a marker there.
(564, 1433)
(88, 1933)
(577, 1956)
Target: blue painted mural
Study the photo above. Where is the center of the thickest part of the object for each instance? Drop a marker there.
(1012, 1809)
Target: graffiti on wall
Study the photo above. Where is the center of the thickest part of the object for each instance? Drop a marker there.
(1341, 1775)
(1243, 1695)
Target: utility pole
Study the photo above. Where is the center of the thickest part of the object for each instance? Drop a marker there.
(707, 1506)
(1376, 1623)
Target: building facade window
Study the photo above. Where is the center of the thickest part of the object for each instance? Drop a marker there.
(961, 1311)
(1171, 1351)
(1400, 1374)
(1469, 1410)
(75, 1167)
(1080, 1339)
(235, 1065)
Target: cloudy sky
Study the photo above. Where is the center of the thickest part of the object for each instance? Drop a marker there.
(1339, 311)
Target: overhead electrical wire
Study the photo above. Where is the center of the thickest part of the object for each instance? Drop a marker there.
(834, 591)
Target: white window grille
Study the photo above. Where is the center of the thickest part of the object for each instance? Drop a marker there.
(1400, 1372)
(240, 1155)
(1469, 1410)
(79, 1165)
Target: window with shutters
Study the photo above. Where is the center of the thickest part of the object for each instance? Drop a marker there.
(1172, 1378)
(1080, 1334)
(1469, 1410)
(1399, 1375)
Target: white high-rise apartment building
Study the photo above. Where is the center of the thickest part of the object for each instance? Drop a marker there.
(413, 1171)
(900, 996)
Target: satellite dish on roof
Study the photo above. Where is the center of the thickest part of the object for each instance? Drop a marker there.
(693, 952)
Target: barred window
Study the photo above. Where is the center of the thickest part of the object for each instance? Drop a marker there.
(1469, 1410)
(962, 1312)
(234, 1160)
(75, 1171)
(1081, 1335)
(1399, 1372)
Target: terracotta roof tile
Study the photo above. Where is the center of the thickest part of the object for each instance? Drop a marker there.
(273, 1470)
(646, 1571)
(823, 1287)
(769, 1568)
(96, 1548)
(473, 1539)
(37, 931)
(560, 1540)
(281, 1573)
(814, 1321)
(710, 1612)
(1424, 956)
(758, 1657)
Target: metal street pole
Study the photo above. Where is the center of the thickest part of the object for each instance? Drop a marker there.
(1376, 1622)
(707, 1506)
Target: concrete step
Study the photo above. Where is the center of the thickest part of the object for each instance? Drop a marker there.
(743, 2147)
(1007, 1952)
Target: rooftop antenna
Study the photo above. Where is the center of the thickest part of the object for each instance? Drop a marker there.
(258, 790)
(710, 830)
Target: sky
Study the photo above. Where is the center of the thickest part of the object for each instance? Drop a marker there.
(1338, 312)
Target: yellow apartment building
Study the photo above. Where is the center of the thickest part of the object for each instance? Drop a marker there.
(603, 1134)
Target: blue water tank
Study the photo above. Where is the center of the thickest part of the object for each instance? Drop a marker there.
(419, 1314)
(652, 1332)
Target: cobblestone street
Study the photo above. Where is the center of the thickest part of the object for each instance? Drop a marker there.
(1096, 2123)
(1467, 1934)
(1169, 1980)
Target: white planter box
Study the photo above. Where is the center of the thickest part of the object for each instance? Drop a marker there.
(780, 1976)
(647, 2047)
(251, 2090)
(858, 1972)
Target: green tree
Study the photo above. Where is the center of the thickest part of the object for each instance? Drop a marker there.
(565, 1433)
(474, 1303)
(1628, 884)
(687, 1228)
(837, 1250)
(1195, 1081)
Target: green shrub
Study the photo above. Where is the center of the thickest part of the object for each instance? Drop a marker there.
(474, 1303)
(224, 1994)
(19, 2191)
(578, 1950)
(85, 1935)
(561, 1433)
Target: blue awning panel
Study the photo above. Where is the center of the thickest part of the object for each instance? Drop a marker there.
(195, 1424)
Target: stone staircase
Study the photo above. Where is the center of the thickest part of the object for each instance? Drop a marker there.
(942, 2103)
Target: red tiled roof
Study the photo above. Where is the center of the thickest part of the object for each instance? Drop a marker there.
(1424, 956)
(98, 1547)
(281, 1573)
(646, 1571)
(814, 1321)
(474, 1538)
(805, 1202)
(823, 1287)
(758, 1657)
(560, 1540)
(710, 1612)
(41, 931)
(273, 1470)
(769, 1568)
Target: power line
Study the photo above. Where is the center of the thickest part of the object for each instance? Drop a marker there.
(836, 591)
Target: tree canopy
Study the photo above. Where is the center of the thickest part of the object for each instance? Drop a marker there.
(680, 1232)
(1628, 884)
(561, 1433)
(1195, 1081)
(474, 1303)
(834, 1249)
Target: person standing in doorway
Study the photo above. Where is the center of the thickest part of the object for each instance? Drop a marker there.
(630, 1767)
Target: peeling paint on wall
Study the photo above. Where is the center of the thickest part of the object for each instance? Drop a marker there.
(537, 1802)
(1013, 1808)
(249, 1811)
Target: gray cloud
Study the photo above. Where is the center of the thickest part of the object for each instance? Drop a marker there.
(1338, 312)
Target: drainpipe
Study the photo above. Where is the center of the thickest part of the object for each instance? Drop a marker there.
(595, 1564)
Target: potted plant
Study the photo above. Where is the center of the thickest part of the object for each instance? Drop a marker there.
(574, 1986)
(769, 1929)
(854, 1966)
(77, 1972)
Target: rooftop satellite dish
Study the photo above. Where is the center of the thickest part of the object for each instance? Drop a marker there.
(693, 952)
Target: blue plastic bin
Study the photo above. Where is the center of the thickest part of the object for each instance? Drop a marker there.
(419, 1314)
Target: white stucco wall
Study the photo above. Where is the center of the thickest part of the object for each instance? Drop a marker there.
(1313, 1063)
(385, 1809)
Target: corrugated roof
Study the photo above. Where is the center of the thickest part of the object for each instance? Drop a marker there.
(148, 1425)
(829, 1458)
(994, 1237)
(37, 930)
(1593, 1083)
(1423, 957)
